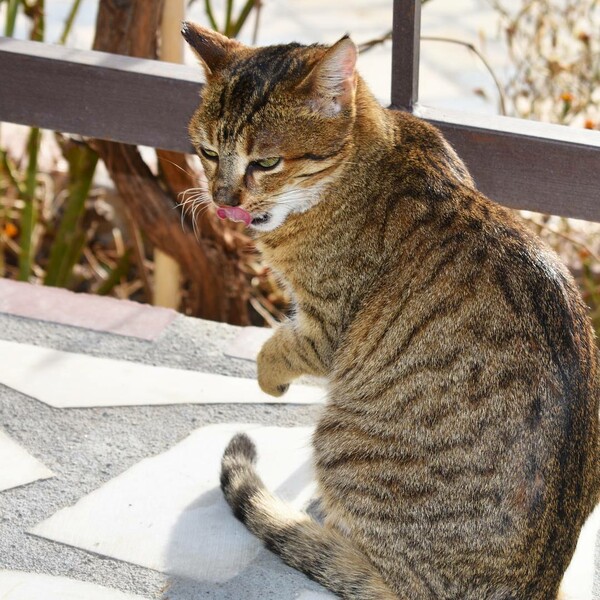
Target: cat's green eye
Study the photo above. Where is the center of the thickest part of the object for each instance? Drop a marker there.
(210, 154)
(268, 163)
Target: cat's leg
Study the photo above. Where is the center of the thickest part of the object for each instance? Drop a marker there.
(290, 352)
(320, 552)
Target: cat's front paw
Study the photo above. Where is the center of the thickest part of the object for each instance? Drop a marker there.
(272, 377)
(272, 386)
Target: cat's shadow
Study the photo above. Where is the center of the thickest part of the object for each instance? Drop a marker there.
(211, 555)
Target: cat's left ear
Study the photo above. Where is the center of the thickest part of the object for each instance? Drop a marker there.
(332, 81)
(212, 48)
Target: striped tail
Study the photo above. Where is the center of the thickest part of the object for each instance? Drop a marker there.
(318, 551)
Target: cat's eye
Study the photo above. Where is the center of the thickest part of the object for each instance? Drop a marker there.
(267, 163)
(210, 154)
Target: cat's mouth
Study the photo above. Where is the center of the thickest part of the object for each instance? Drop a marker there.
(239, 215)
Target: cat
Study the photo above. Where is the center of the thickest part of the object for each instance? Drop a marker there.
(457, 455)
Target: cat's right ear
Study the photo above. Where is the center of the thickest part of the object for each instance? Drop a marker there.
(212, 48)
(331, 84)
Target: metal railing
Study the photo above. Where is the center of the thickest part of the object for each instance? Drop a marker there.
(522, 164)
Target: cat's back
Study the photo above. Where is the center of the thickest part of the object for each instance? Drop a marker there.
(453, 260)
(464, 397)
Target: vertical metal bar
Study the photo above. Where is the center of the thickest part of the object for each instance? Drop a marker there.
(406, 39)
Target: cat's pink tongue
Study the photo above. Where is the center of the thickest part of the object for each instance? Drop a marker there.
(234, 213)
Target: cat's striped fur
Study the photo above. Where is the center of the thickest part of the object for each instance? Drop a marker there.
(457, 456)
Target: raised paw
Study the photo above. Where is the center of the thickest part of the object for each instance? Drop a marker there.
(273, 389)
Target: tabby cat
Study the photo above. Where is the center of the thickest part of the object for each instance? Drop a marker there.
(457, 455)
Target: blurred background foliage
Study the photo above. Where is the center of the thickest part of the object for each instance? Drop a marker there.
(63, 226)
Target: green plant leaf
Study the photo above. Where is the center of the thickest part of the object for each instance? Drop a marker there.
(11, 17)
(66, 250)
(29, 214)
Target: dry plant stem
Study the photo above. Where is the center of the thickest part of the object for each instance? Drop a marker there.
(139, 255)
(263, 312)
(276, 314)
(427, 38)
(258, 4)
(482, 58)
(555, 50)
(11, 172)
(366, 46)
(570, 239)
(115, 275)
(98, 270)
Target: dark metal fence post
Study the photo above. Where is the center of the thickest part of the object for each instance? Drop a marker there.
(406, 38)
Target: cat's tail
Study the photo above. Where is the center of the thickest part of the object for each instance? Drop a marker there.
(318, 551)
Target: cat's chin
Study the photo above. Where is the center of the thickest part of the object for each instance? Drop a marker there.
(261, 219)
(270, 220)
(293, 202)
(262, 223)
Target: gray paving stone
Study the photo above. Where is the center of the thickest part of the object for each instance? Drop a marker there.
(85, 448)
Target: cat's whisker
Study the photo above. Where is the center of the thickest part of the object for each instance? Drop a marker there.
(193, 197)
(189, 205)
(203, 199)
(193, 200)
(195, 221)
(194, 189)
(187, 211)
(191, 191)
(200, 199)
(192, 175)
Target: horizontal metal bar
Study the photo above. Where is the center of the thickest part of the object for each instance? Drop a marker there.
(96, 94)
(527, 164)
(523, 164)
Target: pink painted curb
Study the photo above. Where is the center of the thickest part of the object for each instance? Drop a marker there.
(99, 313)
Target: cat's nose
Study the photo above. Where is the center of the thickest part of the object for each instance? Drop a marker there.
(227, 197)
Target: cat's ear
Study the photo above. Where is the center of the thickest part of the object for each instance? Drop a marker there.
(212, 48)
(332, 82)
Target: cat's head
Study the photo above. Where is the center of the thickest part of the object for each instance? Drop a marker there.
(274, 124)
